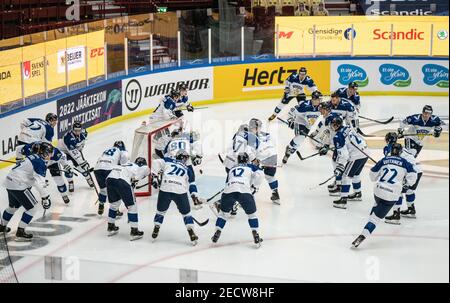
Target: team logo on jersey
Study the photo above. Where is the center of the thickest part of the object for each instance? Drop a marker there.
(351, 73)
(392, 74)
(435, 75)
(133, 95)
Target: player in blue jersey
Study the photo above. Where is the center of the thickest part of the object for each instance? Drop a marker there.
(302, 118)
(295, 88)
(389, 175)
(27, 173)
(351, 156)
(72, 144)
(417, 127)
(345, 109)
(350, 94)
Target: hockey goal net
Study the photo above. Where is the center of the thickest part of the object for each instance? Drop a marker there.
(150, 137)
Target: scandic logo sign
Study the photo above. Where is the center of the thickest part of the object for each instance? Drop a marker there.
(412, 34)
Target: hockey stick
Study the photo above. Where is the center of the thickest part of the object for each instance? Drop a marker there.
(364, 153)
(201, 223)
(359, 131)
(210, 199)
(220, 158)
(90, 176)
(308, 136)
(378, 121)
(323, 183)
(301, 158)
(7, 161)
(413, 135)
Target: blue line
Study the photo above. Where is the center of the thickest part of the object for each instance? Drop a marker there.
(186, 65)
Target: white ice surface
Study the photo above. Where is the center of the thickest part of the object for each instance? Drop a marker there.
(305, 239)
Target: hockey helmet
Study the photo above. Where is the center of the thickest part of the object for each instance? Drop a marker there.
(396, 149)
(337, 123)
(391, 138)
(182, 156)
(255, 125)
(243, 158)
(120, 145)
(427, 109)
(51, 118)
(140, 162)
(45, 150)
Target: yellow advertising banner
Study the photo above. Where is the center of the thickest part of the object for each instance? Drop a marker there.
(363, 35)
(265, 80)
(10, 83)
(33, 69)
(87, 47)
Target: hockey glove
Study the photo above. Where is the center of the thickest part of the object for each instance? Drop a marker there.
(339, 170)
(437, 131)
(400, 132)
(287, 90)
(46, 203)
(178, 113)
(134, 183)
(324, 150)
(190, 108)
(85, 166)
(291, 123)
(68, 169)
(155, 182)
(197, 160)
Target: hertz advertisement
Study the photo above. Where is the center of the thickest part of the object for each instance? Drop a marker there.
(30, 60)
(265, 80)
(366, 35)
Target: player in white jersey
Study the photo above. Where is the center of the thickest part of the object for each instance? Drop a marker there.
(33, 130)
(189, 142)
(301, 118)
(27, 173)
(408, 191)
(72, 144)
(116, 155)
(120, 185)
(167, 108)
(267, 157)
(243, 182)
(243, 141)
(177, 178)
(295, 88)
(418, 127)
(56, 165)
(389, 175)
(351, 157)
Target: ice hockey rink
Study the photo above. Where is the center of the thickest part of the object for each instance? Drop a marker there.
(305, 238)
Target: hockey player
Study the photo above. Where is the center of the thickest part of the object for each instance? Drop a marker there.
(167, 108)
(325, 133)
(57, 161)
(19, 181)
(350, 94)
(119, 185)
(189, 142)
(420, 125)
(243, 141)
(183, 101)
(294, 88)
(242, 183)
(409, 191)
(389, 174)
(302, 117)
(72, 144)
(268, 159)
(351, 158)
(177, 177)
(33, 130)
(345, 109)
(117, 155)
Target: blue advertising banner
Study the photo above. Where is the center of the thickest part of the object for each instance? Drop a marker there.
(404, 7)
(90, 107)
